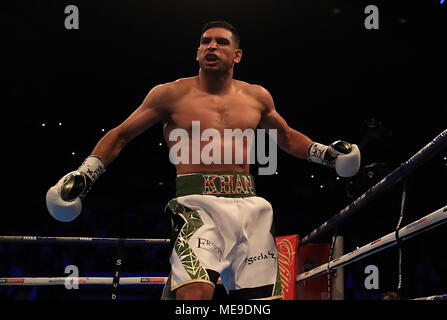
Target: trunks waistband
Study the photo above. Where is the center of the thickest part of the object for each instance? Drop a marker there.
(221, 184)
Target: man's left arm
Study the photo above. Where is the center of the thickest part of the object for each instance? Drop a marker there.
(341, 155)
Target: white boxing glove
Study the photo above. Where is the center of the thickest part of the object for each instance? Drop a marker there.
(347, 165)
(341, 155)
(64, 199)
(60, 209)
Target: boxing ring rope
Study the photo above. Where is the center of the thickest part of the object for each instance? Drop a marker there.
(41, 281)
(111, 241)
(426, 223)
(423, 155)
(54, 281)
(400, 234)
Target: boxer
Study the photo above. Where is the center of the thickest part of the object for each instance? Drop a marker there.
(221, 228)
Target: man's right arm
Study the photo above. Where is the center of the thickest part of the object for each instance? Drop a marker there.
(153, 109)
(64, 199)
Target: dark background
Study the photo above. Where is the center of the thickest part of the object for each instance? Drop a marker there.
(331, 79)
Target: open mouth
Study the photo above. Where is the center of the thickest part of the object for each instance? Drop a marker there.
(211, 58)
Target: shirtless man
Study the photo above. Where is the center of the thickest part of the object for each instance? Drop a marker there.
(220, 227)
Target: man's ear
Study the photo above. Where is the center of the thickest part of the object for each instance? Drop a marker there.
(238, 57)
(197, 55)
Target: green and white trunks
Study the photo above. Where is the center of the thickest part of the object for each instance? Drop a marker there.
(222, 229)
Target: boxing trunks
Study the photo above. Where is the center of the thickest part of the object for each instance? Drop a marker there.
(222, 229)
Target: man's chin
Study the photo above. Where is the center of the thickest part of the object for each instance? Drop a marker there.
(213, 69)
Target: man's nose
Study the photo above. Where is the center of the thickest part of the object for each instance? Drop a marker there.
(212, 45)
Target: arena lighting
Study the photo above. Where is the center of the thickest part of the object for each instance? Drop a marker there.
(442, 1)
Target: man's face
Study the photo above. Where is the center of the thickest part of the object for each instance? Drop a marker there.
(218, 51)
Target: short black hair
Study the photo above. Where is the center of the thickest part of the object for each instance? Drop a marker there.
(225, 25)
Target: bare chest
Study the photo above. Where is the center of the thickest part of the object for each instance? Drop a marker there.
(217, 112)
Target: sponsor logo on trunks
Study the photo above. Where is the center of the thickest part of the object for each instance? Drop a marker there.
(261, 256)
(225, 184)
(236, 146)
(211, 247)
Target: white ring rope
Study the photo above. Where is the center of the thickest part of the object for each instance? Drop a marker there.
(53, 281)
(42, 281)
(405, 169)
(426, 223)
(127, 241)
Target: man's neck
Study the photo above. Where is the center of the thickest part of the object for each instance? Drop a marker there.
(215, 83)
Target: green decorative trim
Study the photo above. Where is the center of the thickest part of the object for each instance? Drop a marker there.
(187, 256)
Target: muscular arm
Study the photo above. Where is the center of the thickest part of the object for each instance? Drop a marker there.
(64, 199)
(288, 139)
(152, 109)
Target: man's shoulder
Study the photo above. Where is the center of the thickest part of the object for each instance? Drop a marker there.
(250, 88)
(179, 84)
(255, 90)
(176, 88)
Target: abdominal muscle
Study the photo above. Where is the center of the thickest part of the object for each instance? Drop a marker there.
(210, 162)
